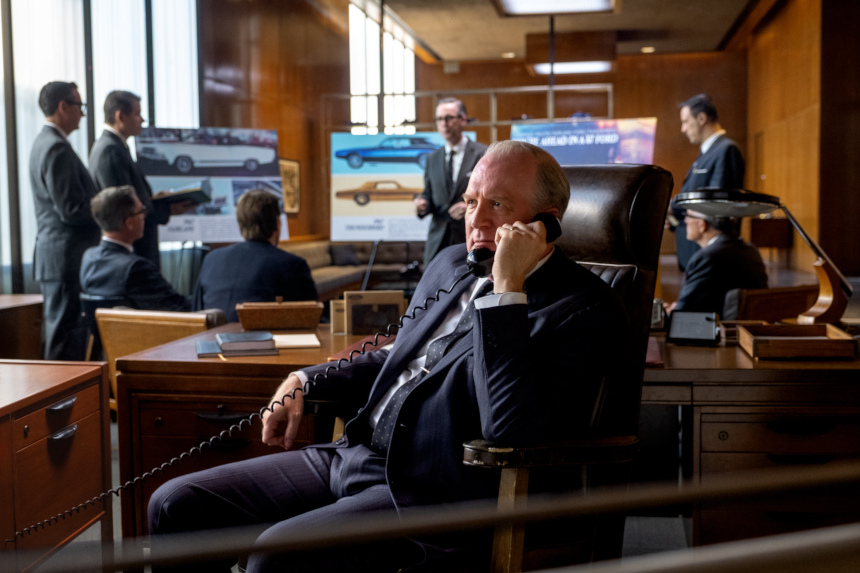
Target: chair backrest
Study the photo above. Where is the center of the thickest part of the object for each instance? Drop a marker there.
(769, 304)
(126, 331)
(613, 226)
(89, 304)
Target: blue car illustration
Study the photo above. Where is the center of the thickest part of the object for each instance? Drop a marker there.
(397, 149)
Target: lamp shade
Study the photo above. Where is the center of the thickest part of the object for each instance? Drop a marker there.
(719, 202)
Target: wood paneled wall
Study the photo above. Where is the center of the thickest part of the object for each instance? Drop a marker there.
(266, 65)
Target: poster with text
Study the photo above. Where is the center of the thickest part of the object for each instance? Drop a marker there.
(232, 160)
(593, 141)
(374, 179)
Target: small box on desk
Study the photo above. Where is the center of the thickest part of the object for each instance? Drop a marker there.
(797, 341)
(369, 312)
(279, 315)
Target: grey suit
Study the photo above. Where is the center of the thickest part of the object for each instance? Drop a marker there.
(62, 190)
(445, 231)
(111, 165)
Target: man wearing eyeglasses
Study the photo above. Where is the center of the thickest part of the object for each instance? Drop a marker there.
(111, 165)
(112, 268)
(62, 190)
(446, 178)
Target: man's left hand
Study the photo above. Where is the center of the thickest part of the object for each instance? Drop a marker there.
(457, 211)
(519, 246)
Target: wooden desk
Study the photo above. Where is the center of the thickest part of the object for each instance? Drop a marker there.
(54, 452)
(21, 334)
(169, 401)
(751, 414)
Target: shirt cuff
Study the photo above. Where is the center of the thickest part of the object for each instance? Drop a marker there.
(303, 378)
(502, 299)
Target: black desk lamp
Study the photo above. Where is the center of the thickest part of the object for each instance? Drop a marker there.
(739, 203)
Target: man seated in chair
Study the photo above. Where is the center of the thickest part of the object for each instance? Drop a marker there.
(724, 262)
(519, 366)
(112, 268)
(255, 270)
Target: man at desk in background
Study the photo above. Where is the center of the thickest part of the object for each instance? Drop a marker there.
(111, 165)
(511, 366)
(446, 177)
(62, 190)
(255, 270)
(723, 263)
(113, 268)
(719, 164)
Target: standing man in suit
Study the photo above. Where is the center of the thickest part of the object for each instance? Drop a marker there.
(469, 366)
(446, 178)
(723, 262)
(265, 271)
(720, 163)
(111, 165)
(62, 190)
(113, 268)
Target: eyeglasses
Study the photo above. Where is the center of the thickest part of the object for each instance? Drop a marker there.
(447, 118)
(142, 211)
(80, 103)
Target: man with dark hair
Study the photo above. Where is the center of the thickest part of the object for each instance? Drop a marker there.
(113, 269)
(111, 165)
(255, 270)
(720, 163)
(446, 178)
(62, 190)
(724, 262)
(507, 366)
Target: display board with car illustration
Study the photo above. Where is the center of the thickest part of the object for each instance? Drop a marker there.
(230, 161)
(374, 179)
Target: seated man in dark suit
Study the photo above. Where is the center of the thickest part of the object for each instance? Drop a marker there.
(723, 263)
(112, 268)
(519, 365)
(255, 270)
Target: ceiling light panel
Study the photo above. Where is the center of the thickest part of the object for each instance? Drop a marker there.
(531, 7)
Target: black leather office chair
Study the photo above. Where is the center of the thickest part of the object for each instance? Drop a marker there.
(613, 226)
(89, 304)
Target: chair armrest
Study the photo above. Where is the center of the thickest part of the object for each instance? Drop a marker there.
(615, 449)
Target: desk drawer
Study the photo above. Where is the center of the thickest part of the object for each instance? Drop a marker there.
(717, 526)
(56, 474)
(781, 434)
(201, 419)
(61, 413)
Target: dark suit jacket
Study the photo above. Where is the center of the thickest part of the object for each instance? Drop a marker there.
(252, 271)
(444, 231)
(721, 166)
(62, 190)
(525, 372)
(725, 264)
(111, 270)
(111, 165)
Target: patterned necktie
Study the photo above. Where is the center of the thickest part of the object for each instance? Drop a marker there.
(382, 434)
(449, 172)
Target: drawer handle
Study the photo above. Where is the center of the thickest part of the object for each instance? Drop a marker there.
(803, 427)
(800, 459)
(219, 418)
(63, 404)
(65, 433)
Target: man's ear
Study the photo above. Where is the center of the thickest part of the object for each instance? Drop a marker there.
(702, 118)
(117, 118)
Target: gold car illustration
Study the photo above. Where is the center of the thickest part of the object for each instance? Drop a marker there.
(379, 191)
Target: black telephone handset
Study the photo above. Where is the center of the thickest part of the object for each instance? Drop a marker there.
(480, 261)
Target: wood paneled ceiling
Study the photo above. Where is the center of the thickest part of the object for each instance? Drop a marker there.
(462, 30)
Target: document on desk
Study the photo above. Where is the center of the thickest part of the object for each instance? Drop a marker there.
(297, 341)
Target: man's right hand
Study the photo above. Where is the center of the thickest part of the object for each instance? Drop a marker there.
(281, 425)
(421, 205)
